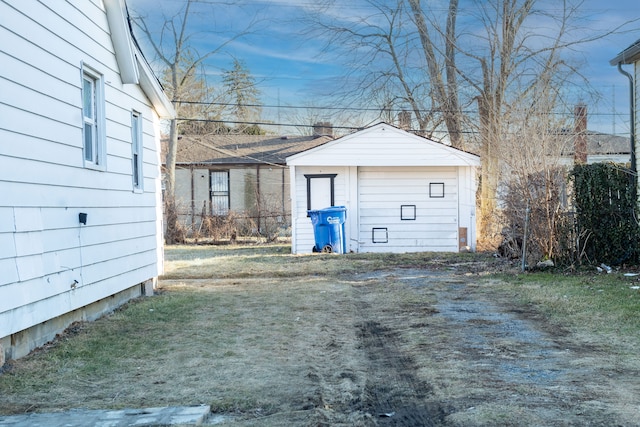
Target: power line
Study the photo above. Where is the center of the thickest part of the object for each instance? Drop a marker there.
(349, 128)
(309, 107)
(262, 123)
(391, 110)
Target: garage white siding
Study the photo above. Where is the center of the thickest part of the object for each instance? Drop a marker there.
(304, 237)
(403, 192)
(396, 203)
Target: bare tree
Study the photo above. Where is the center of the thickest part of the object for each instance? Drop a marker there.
(382, 65)
(534, 193)
(445, 89)
(244, 96)
(176, 49)
(495, 62)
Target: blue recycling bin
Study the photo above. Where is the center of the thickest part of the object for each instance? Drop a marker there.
(328, 229)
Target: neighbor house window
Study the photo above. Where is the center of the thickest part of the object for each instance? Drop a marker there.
(320, 190)
(136, 150)
(93, 129)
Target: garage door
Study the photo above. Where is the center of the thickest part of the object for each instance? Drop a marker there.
(407, 209)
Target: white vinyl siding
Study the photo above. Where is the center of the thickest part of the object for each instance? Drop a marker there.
(301, 222)
(403, 193)
(53, 54)
(383, 192)
(383, 145)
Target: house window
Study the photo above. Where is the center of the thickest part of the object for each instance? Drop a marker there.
(320, 190)
(220, 192)
(93, 128)
(136, 150)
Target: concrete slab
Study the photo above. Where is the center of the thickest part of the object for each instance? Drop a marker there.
(145, 417)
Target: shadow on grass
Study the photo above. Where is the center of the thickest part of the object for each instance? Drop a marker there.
(188, 262)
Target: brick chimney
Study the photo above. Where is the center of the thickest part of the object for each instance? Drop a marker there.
(323, 129)
(580, 142)
(404, 120)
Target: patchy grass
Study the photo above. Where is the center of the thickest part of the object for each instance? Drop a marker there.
(601, 307)
(203, 262)
(278, 339)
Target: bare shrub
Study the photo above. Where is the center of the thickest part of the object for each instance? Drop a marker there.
(222, 227)
(271, 218)
(538, 202)
(175, 231)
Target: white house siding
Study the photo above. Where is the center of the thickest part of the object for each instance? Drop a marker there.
(50, 264)
(382, 193)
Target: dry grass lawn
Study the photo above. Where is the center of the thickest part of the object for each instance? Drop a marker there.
(268, 338)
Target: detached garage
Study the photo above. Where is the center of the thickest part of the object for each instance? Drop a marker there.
(403, 192)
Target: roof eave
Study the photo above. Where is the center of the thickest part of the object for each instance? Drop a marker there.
(134, 69)
(153, 90)
(116, 15)
(628, 56)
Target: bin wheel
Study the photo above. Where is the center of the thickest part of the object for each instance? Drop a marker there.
(327, 249)
(314, 249)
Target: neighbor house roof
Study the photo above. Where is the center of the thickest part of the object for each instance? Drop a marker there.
(602, 143)
(241, 149)
(628, 56)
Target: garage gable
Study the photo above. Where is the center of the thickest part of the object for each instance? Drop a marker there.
(384, 145)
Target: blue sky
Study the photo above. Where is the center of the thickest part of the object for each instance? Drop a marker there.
(291, 70)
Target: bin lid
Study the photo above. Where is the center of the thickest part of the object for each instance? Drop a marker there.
(329, 209)
(334, 209)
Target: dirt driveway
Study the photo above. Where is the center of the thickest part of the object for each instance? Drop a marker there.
(458, 355)
(412, 347)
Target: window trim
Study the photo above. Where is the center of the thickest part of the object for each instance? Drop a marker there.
(97, 122)
(407, 212)
(436, 190)
(309, 177)
(379, 235)
(137, 149)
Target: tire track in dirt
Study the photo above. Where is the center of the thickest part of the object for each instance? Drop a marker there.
(422, 348)
(438, 352)
(393, 395)
(393, 392)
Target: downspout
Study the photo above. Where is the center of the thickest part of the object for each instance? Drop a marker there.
(259, 198)
(634, 169)
(283, 223)
(193, 197)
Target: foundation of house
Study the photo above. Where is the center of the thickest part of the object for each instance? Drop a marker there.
(21, 343)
